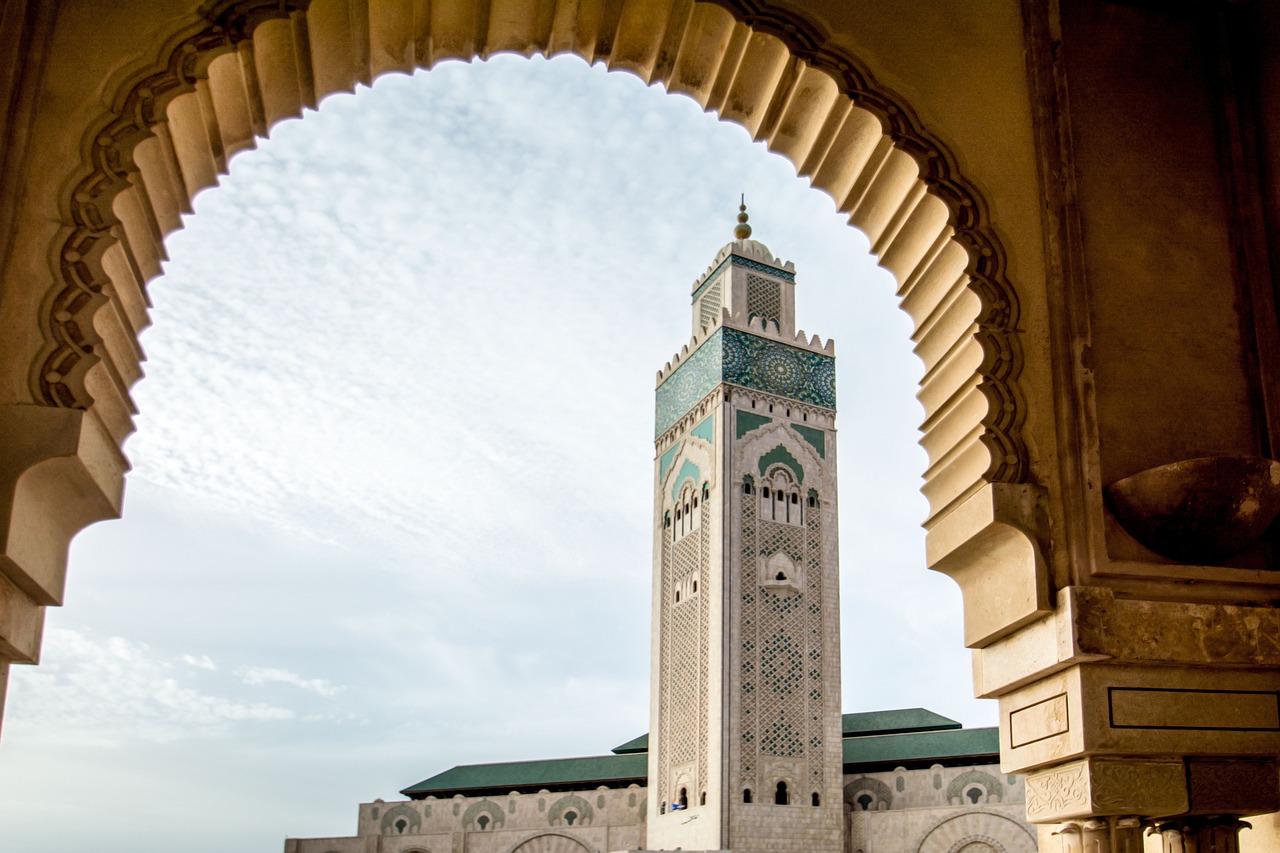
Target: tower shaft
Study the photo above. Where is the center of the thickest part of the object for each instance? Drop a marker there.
(745, 748)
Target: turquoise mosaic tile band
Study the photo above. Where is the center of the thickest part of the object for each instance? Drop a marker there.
(739, 358)
(776, 272)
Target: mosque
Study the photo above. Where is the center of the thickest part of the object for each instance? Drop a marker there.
(747, 748)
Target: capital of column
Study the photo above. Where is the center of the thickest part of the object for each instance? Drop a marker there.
(1115, 834)
(1199, 833)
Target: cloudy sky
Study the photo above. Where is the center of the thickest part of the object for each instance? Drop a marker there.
(390, 502)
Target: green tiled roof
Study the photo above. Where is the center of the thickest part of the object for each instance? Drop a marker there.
(872, 739)
(935, 747)
(534, 775)
(893, 722)
(636, 744)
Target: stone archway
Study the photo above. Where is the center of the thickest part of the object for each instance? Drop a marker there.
(227, 73)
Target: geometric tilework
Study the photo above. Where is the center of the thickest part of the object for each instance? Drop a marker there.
(735, 357)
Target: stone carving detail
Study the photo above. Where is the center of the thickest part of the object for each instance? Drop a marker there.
(549, 842)
(401, 819)
(990, 785)
(483, 815)
(878, 791)
(781, 690)
(1064, 790)
(1233, 786)
(763, 298)
(683, 707)
(570, 811)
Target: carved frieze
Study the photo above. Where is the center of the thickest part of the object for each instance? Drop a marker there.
(1106, 786)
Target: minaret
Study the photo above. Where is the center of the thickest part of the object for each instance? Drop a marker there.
(744, 745)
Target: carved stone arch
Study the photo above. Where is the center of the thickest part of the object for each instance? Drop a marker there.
(223, 74)
(954, 833)
(878, 790)
(570, 803)
(991, 786)
(551, 842)
(695, 451)
(390, 823)
(760, 441)
(483, 808)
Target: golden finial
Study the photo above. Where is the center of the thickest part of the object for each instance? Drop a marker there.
(742, 230)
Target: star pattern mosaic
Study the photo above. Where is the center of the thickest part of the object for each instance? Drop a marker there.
(740, 358)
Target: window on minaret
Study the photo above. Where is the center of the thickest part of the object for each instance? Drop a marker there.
(780, 501)
(688, 513)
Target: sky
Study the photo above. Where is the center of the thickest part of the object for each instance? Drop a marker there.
(391, 496)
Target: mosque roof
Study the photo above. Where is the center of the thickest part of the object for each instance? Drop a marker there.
(895, 722)
(530, 776)
(873, 740)
(948, 747)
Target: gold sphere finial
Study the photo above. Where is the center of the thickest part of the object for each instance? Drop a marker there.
(742, 230)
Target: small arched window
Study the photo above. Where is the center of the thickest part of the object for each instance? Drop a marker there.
(483, 822)
(684, 798)
(974, 795)
(702, 801)
(815, 799)
(865, 801)
(402, 825)
(780, 796)
(746, 795)
(570, 817)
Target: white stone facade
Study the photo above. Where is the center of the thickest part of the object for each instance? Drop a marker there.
(584, 821)
(970, 808)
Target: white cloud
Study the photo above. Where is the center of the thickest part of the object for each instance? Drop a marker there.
(111, 692)
(201, 662)
(259, 675)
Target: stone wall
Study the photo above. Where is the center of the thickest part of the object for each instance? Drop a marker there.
(942, 809)
(545, 822)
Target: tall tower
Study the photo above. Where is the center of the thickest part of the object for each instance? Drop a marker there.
(745, 749)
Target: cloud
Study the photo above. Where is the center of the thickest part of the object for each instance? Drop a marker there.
(259, 675)
(110, 692)
(201, 662)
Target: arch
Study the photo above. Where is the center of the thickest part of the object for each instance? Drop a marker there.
(879, 792)
(483, 809)
(990, 785)
(550, 842)
(392, 818)
(1002, 834)
(557, 815)
(220, 77)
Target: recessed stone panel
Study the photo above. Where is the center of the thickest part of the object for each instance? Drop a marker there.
(1039, 721)
(1216, 710)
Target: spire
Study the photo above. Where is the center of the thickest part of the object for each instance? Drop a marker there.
(742, 230)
